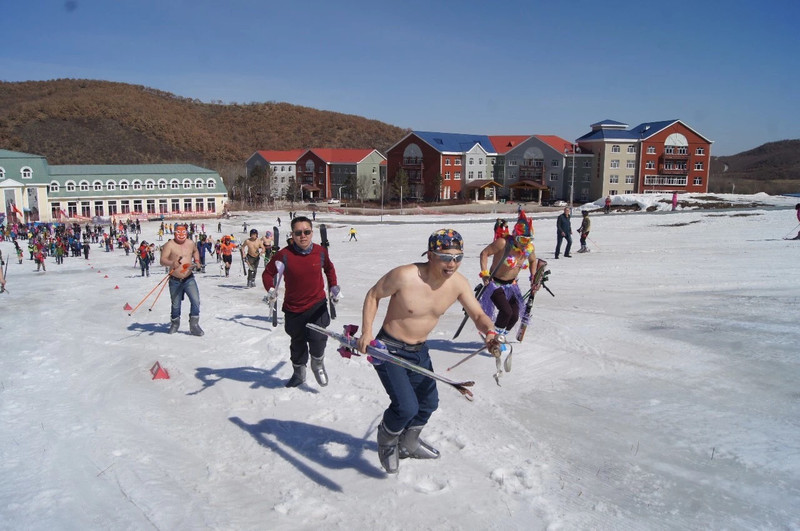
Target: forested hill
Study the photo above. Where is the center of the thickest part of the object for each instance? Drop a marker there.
(773, 168)
(72, 121)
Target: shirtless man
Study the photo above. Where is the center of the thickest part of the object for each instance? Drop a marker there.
(502, 291)
(181, 256)
(226, 248)
(418, 295)
(251, 250)
(267, 241)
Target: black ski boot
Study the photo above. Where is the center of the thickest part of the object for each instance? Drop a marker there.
(298, 377)
(194, 326)
(388, 451)
(174, 324)
(318, 368)
(412, 446)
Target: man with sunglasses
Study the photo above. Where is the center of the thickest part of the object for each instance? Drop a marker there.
(180, 255)
(305, 301)
(418, 295)
(502, 291)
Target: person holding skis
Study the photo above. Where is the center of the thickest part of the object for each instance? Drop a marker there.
(583, 230)
(180, 255)
(267, 242)
(144, 258)
(502, 291)
(251, 250)
(305, 301)
(564, 232)
(419, 294)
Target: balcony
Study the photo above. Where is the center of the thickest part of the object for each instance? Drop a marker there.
(665, 180)
(673, 171)
(412, 162)
(674, 156)
(530, 172)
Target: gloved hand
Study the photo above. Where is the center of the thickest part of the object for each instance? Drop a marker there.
(336, 294)
(272, 295)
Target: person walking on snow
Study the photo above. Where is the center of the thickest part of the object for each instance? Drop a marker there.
(419, 294)
(303, 263)
(583, 230)
(564, 232)
(181, 257)
(143, 254)
(226, 248)
(797, 210)
(352, 234)
(502, 291)
(252, 249)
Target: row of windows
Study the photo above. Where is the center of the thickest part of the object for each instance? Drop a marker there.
(149, 184)
(613, 179)
(25, 173)
(670, 165)
(669, 150)
(112, 208)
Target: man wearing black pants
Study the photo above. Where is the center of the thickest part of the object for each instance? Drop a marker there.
(564, 232)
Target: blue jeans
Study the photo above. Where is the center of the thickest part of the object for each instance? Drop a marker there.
(567, 237)
(180, 287)
(414, 397)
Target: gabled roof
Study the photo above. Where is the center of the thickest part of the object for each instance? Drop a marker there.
(290, 155)
(648, 129)
(610, 124)
(342, 156)
(455, 142)
(556, 142)
(505, 143)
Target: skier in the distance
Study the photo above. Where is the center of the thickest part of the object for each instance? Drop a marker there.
(502, 291)
(418, 295)
(583, 230)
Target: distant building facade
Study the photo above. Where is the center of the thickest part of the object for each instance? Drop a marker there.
(35, 191)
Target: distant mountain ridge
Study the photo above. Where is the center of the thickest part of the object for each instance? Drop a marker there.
(75, 121)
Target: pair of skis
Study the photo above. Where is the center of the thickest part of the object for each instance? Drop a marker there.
(377, 351)
(276, 245)
(539, 279)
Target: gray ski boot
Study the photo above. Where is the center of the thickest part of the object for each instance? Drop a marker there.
(412, 446)
(318, 368)
(194, 326)
(174, 324)
(388, 449)
(298, 377)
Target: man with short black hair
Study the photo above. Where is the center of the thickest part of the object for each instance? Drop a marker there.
(181, 256)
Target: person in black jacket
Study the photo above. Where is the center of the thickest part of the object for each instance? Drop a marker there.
(564, 232)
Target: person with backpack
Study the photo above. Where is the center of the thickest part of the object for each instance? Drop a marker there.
(305, 301)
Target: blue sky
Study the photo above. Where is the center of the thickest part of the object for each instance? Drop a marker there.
(505, 67)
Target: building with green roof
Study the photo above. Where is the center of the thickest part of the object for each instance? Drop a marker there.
(33, 189)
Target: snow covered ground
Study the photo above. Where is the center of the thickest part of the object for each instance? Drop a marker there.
(657, 390)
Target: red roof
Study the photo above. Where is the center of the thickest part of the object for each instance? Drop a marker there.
(505, 143)
(556, 142)
(342, 156)
(282, 156)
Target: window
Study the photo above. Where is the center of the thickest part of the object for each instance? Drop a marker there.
(162, 206)
(71, 187)
(649, 165)
(112, 208)
(211, 204)
(553, 176)
(480, 175)
(480, 161)
(630, 164)
(137, 185)
(555, 163)
(629, 179)
(614, 163)
(137, 203)
(151, 206)
(700, 151)
(612, 192)
(98, 208)
(187, 205)
(2, 173)
(458, 161)
(150, 184)
(447, 176)
(110, 186)
(471, 161)
(174, 184)
(186, 185)
(631, 148)
(698, 181)
(457, 176)
(613, 179)
(615, 149)
(211, 183)
(198, 205)
(53, 186)
(84, 186)
(123, 185)
(587, 163)
(98, 187)
(162, 185)
(125, 205)
(198, 183)
(651, 150)
(669, 150)
(176, 205)
(26, 173)
(698, 165)
(683, 150)
(471, 175)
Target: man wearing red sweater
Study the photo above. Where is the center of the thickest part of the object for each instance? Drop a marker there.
(305, 301)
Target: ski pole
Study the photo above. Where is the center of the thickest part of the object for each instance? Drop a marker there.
(162, 281)
(163, 285)
(467, 357)
(593, 242)
(791, 231)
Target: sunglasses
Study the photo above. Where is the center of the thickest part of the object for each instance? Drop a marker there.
(447, 257)
(306, 232)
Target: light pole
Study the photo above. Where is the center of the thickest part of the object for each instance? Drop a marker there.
(572, 175)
